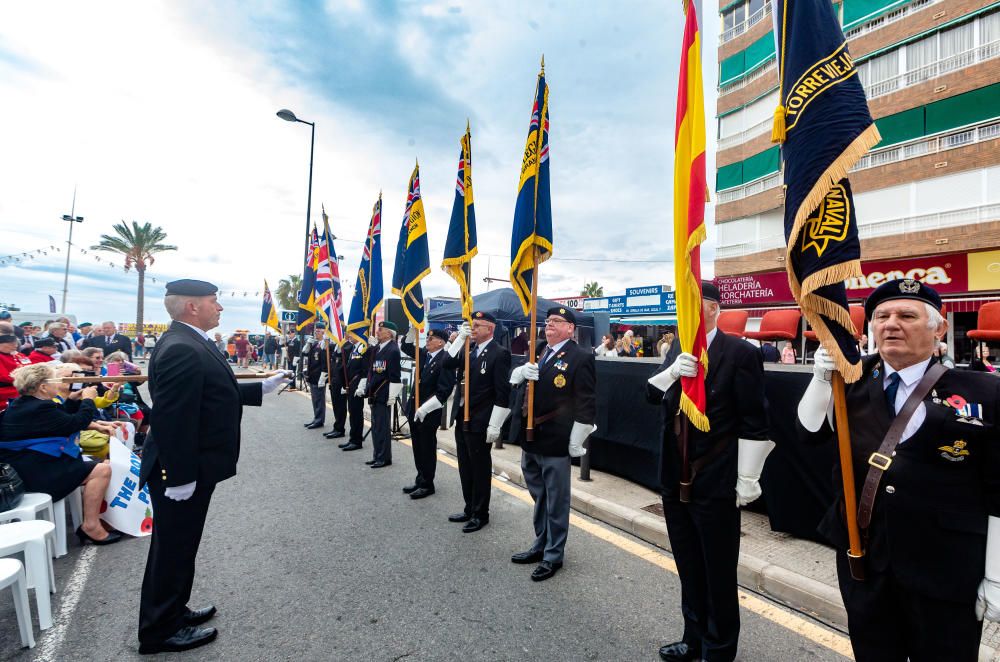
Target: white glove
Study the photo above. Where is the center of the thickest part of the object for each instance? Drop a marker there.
(181, 492)
(497, 417)
(322, 380)
(272, 383)
(372, 341)
(685, 365)
(456, 346)
(411, 335)
(815, 402)
(362, 385)
(823, 365)
(343, 391)
(577, 436)
(395, 389)
(988, 600)
(432, 404)
(750, 462)
(526, 371)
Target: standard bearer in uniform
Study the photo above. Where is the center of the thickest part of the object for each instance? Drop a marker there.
(436, 383)
(703, 516)
(338, 388)
(314, 354)
(925, 444)
(489, 396)
(381, 387)
(357, 368)
(565, 408)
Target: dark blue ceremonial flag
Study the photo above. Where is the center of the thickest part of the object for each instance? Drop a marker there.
(461, 245)
(368, 287)
(531, 238)
(825, 126)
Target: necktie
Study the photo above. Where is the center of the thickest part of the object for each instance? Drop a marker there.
(107, 341)
(475, 352)
(890, 393)
(546, 355)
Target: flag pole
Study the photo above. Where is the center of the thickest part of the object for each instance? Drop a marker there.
(329, 370)
(855, 555)
(465, 393)
(532, 339)
(416, 370)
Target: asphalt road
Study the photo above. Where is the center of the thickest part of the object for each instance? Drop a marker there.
(311, 555)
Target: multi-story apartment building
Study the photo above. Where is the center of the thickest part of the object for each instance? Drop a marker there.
(927, 197)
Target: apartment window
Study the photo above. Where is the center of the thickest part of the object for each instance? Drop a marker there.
(989, 28)
(957, 40)
(733, 16)
(919, 56)
(881, 68)
(754, 7)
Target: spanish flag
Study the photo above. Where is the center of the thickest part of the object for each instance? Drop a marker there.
(268, 315)
(532, 233)
(689, 216)
(413, 260)
(824, 126)
(461, 246)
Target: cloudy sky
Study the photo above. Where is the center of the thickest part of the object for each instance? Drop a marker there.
(165, 112)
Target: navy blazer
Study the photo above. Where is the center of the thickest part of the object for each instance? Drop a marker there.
(196, 411)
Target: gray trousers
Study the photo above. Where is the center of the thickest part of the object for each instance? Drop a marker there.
(380, 433)
(318, 395)
(547, 479)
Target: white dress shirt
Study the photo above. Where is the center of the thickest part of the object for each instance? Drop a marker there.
(203, 334)
(908, 380)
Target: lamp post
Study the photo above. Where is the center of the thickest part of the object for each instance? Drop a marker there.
(69, 248)
(289, 116)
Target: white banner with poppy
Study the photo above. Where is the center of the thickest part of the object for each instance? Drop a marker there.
(127, 508)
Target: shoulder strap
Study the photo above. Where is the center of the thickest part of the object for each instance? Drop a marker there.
(879, 461)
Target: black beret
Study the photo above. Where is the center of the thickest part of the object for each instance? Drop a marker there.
(191, 288)
(710, 291)
(438, 333)
(388, 324)
(45, 342)
(319, 325)
(483, 315)
(563, 312)
(902, 288)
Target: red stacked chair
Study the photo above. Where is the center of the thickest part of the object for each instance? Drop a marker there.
(988, 327)
(777, 325)
(857, 317)
(733, 322)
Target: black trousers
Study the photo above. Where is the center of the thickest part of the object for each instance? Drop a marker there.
(356, 412)
(166, 585)
(339, 402)
(475, 470)
(380, 433)
(705, 540)
(889, 623)
(423, 437)
(318, 395)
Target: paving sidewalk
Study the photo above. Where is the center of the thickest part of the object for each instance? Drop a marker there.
(799, 573)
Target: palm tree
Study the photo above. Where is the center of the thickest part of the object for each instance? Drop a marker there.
(288, 292)
(138, 244)
(592, 290)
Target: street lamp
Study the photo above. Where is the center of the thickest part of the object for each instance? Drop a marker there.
(69, 248)
(289, 116)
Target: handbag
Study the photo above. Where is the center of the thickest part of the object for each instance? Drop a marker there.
(11, 488)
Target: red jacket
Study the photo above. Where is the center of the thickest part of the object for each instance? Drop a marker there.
(8, 364)
(38, 357)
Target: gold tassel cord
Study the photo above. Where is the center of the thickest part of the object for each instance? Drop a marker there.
(778, 133)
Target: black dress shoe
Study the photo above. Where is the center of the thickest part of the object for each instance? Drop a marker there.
(186, 638)
(459, 517)
(526, 557)
(545, 570)
(369, 462)
(475, 524)
(380, 464)
(353, 446)
(344, 445)
(421, 492)
(314, 426)
(333, 434)
(199, 616)
(305, 425)
(410, 489)
(110, 539)
(680, 651)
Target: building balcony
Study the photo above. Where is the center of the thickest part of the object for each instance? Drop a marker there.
(753, 20)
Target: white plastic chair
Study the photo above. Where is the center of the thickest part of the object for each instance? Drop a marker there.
(12, 574)
(38, 505)
(31, 539)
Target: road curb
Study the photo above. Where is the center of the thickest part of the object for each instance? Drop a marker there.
(782, 584)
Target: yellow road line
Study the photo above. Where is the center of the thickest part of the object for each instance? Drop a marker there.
(806, 628)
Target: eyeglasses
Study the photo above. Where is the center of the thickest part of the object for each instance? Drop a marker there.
(555, 320)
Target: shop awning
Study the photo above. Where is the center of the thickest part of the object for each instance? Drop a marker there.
(649, 321)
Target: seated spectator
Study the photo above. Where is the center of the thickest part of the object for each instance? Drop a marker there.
(10, 360)
(45, 351)
(130, 402)
(94, 357)
(73, 356)
(33, 440)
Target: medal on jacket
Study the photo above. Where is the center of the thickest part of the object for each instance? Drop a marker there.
(559, 381)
